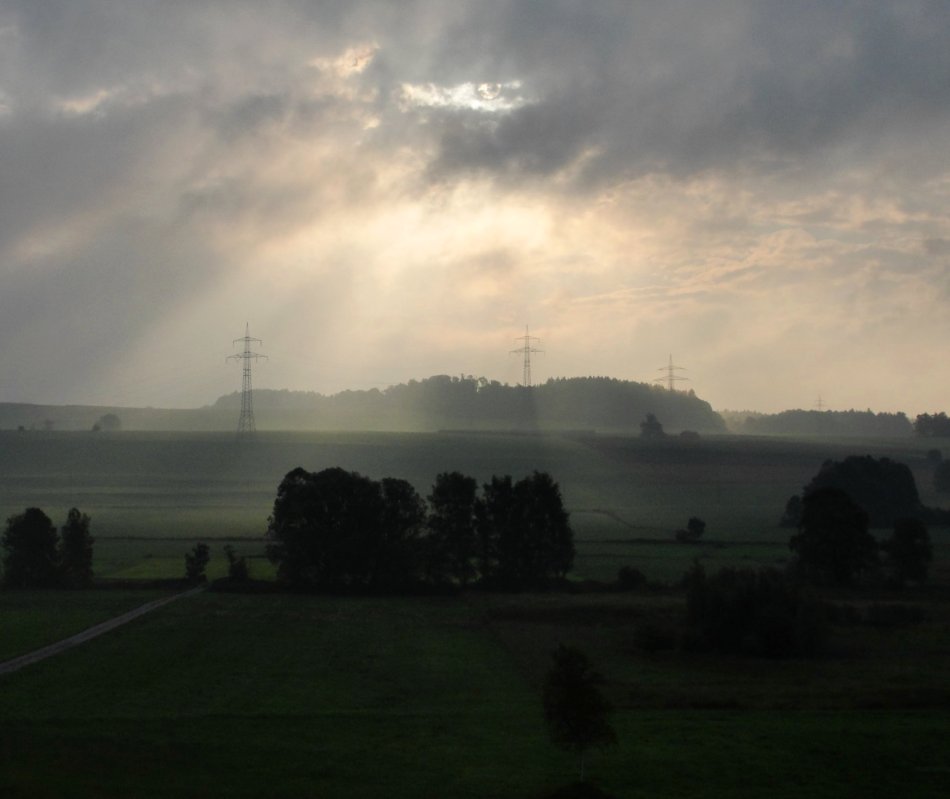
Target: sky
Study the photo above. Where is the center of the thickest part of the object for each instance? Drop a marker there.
(385, 191)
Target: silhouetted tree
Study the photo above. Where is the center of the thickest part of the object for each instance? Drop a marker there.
(792, 516)
(31, 557)
(908, 551)
(695, 528)
(325, 528)
(885, 489)
(833, 543)
(400, 555)
(932, 425)
(196, 562)
(650, 427)
(524, 532)
(76, 550)
(576, 712)
(453, 543)
(237, 566)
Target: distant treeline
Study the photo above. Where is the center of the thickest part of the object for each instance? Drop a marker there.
(820, 423)
(935, 425)
(467, 402)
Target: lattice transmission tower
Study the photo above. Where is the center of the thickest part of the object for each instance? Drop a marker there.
(671, 378)
(526, 351)
(246, 425)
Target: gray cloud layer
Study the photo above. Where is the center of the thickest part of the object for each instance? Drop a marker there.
(169, 169)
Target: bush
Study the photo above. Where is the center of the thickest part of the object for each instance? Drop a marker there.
(630, 579)
(760, 613)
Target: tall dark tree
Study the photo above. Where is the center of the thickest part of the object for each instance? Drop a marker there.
(833, 543)
(525, 537)
(545, 547)
(453, 540)
(398, 559)
(76, 550)
(497, 519)
(31, 556)
(324, 529)
(575, 709)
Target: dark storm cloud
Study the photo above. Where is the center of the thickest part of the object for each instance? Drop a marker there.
(684, 87)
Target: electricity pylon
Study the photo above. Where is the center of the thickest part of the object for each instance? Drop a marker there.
(526, 351)
(246, 425)
(671, 377)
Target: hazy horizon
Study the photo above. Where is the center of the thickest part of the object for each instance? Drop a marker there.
(385, 192)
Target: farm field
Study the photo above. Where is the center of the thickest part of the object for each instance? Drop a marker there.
(290, 695)
(223, 694)
(152, 495)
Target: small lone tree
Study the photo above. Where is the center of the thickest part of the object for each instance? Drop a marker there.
(650, 427)
(196, 562)
(76, 550)
(695, 528)
(575, 710)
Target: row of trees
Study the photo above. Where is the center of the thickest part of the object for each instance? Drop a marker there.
(339, 530)
(820, 423)
(935, 425)
(37, 555)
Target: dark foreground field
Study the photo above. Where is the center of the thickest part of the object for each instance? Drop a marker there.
(226, 695)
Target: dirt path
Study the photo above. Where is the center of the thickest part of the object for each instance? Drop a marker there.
(17, 663)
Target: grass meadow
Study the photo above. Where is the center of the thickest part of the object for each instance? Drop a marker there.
(290, 695)
(152, 495)
(223, 694)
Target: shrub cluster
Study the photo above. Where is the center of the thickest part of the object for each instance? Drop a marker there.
(761, 613)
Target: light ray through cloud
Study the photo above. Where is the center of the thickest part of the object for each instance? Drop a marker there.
(387, 193)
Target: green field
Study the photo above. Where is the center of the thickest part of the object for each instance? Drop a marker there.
(313, 696)
(288, 695)
(151, 495)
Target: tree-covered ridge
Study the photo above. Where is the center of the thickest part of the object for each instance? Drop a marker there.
(820, 423)
(466, 402)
